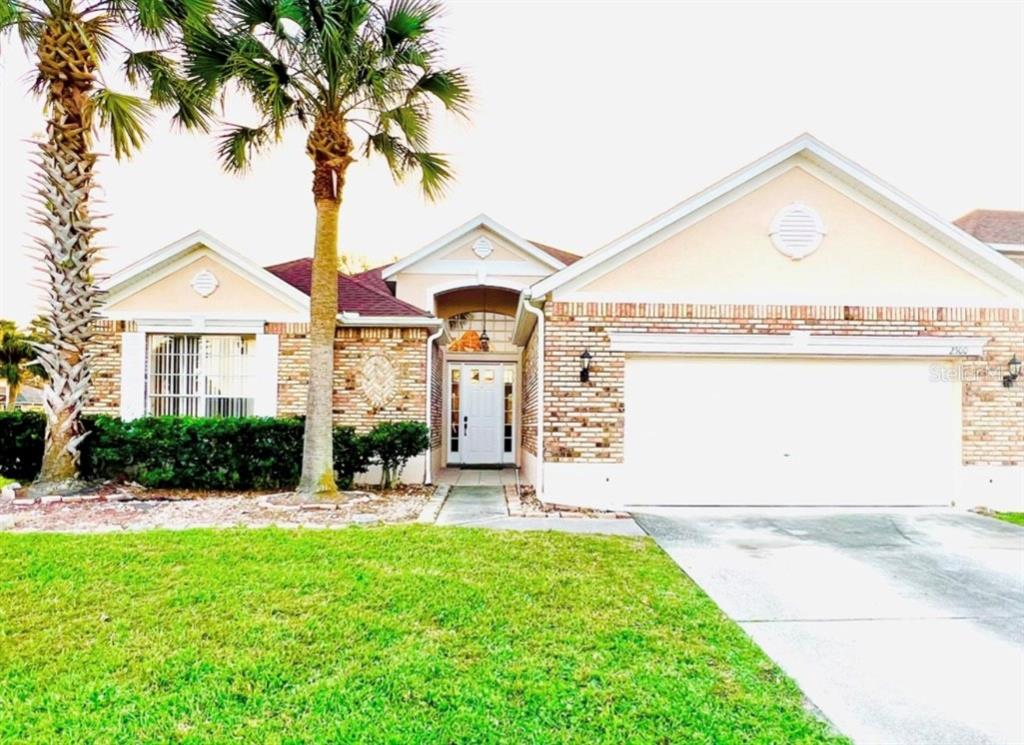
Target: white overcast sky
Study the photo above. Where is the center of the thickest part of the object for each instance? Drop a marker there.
(589, 118)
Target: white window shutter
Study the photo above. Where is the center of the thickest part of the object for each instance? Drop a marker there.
(265, 377)
(133, 375)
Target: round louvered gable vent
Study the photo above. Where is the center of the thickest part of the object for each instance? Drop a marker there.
(797, 231)
(204, 283)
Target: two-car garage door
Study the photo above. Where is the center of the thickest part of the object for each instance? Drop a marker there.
(790, 431)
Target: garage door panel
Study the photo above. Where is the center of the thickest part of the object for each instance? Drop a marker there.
(785, 431)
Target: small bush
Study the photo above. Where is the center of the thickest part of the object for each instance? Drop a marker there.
(392, 444)
(21, 443)
(351, 456)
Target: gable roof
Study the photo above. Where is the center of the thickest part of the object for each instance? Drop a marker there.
(983, 259)
(541, 254)
(154, 266)
(355, 295)
(994, 226)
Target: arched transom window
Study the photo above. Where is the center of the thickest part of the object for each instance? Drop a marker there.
(467, 332)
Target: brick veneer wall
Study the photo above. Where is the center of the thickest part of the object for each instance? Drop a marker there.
(404, 348)
(105, 391)
(585, 422)
(528, 397)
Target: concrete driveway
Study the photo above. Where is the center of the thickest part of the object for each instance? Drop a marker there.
(901, 627)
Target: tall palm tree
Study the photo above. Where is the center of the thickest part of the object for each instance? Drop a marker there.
(15, 355)
(361, 77)
(71, 40)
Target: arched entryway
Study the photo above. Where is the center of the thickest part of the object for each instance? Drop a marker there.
(480, 365)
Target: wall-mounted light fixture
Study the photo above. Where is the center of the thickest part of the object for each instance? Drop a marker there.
(1014, 367)
(585, 366)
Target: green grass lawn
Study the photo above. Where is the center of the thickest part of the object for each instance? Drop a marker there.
(1017, 518)
(409, 634)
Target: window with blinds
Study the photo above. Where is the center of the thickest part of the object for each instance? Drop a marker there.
(193, 375)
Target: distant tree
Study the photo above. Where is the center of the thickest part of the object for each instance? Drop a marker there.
(16, 352)
(353, 263)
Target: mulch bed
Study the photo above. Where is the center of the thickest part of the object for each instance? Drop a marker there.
(112, 507)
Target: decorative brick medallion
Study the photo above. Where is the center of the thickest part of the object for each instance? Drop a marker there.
(378, 380)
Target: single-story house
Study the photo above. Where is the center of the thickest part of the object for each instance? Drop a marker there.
(28, 398)
(797, 333)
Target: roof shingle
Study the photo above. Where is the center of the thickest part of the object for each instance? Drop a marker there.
(364, 297)
(566, 257)
(994, 226)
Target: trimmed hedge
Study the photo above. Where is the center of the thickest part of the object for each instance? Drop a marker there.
(21, 444)
(193, 453)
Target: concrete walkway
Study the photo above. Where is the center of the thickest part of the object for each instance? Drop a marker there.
(901, 627)
(484, 507)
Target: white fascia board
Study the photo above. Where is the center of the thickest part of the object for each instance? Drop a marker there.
(473, 269)
(198, 324)
(158, 264)
(180, 317)
(799, 344)
(355, 320)
(480, 221)
(1005, 270)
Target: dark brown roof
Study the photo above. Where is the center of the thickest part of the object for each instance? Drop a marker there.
(994, 226)
(566, 257)
(354, 296)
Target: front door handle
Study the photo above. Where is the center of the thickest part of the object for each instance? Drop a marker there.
(465, 424)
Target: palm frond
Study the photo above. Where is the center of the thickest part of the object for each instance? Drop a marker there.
(435, 173)
(125, 117)
(208, 55)
(17, 17)
(413, 120)
(450, 87)
(405, 20)
(191, 100)
(237, 146)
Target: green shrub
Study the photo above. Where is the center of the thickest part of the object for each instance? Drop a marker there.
(351, 456)
(392, 444)
(21, 443)
(182, 452)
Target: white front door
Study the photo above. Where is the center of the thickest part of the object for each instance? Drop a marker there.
(481, 415)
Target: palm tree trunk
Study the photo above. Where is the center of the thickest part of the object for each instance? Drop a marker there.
(329, 147)
(317, 450)
(63, 185)
(12, 395)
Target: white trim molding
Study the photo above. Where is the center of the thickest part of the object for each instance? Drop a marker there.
(349, 318)
(198, 324)
(480, 221)
(266, 352)
(982, 259)
(800, 343)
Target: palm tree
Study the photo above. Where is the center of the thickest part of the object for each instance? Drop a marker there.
(71, 40)
(340, 69)
(15, 355)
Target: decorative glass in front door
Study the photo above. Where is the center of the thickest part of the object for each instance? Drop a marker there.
(480, 405)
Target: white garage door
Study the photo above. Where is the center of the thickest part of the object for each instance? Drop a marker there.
(787, 431)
